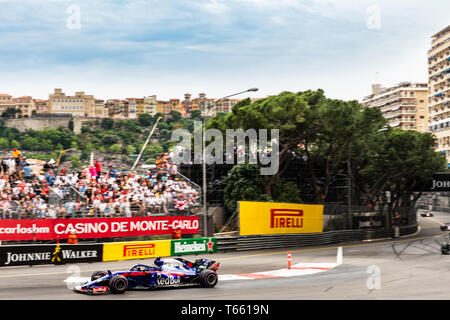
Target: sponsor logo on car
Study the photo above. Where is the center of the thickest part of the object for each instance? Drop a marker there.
(167, 279)
(99, 289)
(286, 218)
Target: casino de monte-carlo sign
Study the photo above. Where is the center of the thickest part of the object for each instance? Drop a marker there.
(439, 183)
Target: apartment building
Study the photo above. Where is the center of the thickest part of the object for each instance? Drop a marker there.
(151, 105)
(130, 108)
(41, 106)
(175, 105)
(205, 105)
(113, 106)
(139, 106)
(6, 102)
(226, 105)
(404, 105)
(100, 109)
(186, 105)
(25, 106)
(439, 90)
(163, 107)
(78, 105)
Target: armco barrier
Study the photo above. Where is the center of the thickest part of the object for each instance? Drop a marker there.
(244, 243)
(20, 255)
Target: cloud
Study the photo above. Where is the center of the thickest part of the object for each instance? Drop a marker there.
(156, 44)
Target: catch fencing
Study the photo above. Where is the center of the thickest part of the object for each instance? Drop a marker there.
(247, 243)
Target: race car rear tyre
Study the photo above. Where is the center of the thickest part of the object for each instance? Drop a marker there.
(118, 284)
(208, 278)
(98, 274)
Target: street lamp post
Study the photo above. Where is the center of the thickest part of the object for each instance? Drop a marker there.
(205, 206)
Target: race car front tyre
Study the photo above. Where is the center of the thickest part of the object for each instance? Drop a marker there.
(118, 284)
(98, 274)
(208, 278)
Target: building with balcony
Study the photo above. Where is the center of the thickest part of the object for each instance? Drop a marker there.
(404, 105)
(41, 106)
(439, 90)
(6, 102)
(113, 106)
(150, 105)
(100, 109)
(186, 106)
(26, 107)
(78, 105)
(131, 108)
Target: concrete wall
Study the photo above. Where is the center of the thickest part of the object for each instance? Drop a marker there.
(24, 124)
(40, 123)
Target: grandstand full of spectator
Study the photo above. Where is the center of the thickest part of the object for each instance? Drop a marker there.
(91, 191)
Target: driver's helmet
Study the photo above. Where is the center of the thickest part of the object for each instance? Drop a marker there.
(159, 262)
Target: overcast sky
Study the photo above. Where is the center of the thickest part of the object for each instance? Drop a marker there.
(120, 49)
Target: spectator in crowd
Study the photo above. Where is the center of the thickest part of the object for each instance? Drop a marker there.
(5, 206)
(98, 168)
(93, 172)
(27, 172)
(60, 211)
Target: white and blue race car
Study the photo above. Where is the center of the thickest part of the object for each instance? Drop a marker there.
(172, 272)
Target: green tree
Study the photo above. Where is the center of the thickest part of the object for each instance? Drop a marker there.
(10, 112)
(4, 143)
(130, 149)
(196, 115)
(76, 161)
(116, 148)
(243, 183)
(30, 143)
(101, 149)
(344, 130)
(295, 116)
(74, 145)
(107, 123)
(286, 191)
(145, 119)
(175, 115)
(110, 139)
(15, 144)
(399, 161)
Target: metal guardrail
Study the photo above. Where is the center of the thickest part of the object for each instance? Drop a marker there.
(246, 243)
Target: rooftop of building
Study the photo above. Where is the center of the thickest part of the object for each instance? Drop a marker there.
(406, 85)
(442, 32)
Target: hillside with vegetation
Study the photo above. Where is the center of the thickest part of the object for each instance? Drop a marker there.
(117, 140)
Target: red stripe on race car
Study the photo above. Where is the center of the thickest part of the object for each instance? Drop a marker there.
(127, 274)
(174, 273)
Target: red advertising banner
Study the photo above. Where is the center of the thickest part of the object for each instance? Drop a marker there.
(48, 229)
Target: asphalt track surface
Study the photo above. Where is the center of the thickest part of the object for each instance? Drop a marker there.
(408, 268)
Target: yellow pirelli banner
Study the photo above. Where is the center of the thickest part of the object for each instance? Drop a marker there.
(135, 250)
(258, 218)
